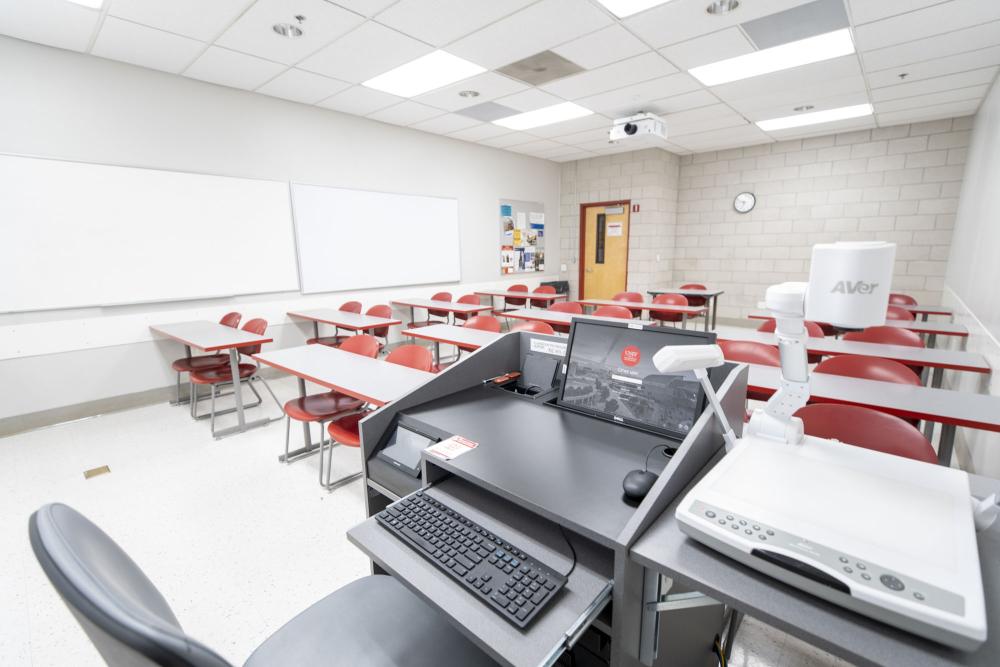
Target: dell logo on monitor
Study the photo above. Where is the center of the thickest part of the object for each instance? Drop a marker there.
(848, 287)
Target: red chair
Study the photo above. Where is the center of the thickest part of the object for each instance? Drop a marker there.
(668, 300)
(204, 362)
(483, 323)
(223, 375)
(897, 299)
(535, 327)
(868, 368)
(337, 338)
(347, 430)
(380, 310)
(571, 307)
(864, 427)
(695, 300)
(321, 408)
(470, 299)
(613, 311)
(542, 289)
(749, 352)
(813, 330)
(889, 336)
(897, 313)
(631, 297)
(431, 312)
(512, 303)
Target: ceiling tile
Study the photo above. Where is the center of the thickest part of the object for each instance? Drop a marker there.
(785, 104)
(746, 135)
(824, 129)
(301, 86)
(961, 62)
(489, 85)
(952, 110)
(592, 137)
(229, 68)
(133, 43)
(866, 11)
(54, 22)
(406, 112)
(508, 139)
(359, 100)
(617, 75)
(439, 22)
(536, 28)
(938, 46)
(603, 47)
(591, 122)
(365, 52)
(632, 99)
(480, 132)
(937, 84)
(197, 19)
(711, 48)
(681, 20)
(846, 67)
(446, 124)
(933, 99)
(926, 22)
(701, 119)
(364, 7)
(682, 102)
(535, 145)
(253, 32)
(529, 100)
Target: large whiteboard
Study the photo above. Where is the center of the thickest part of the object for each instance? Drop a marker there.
(76, 235)
(356, 239)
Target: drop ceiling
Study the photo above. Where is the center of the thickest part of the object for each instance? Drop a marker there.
(916, 60)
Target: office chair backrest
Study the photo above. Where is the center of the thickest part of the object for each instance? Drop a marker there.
(613, 311)
(566, 307)
(363, 344)
(483, 323)
(350, 307)
(887, 336)
(119, 608)
(864, 427)
(897, 313)
(542, 289)
(512, 301)
(380, 310)
(414, 356)
(633, 297)
(231, 320)
(898, 299)
(534, 327)
(470, 299)
(257, 326)
(669, 300)
(695, 300)
(749, 352)
(868, 368)
(813, 329)
(440, 296)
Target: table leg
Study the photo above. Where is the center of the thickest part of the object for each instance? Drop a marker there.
(413, 316)
(946, 444)
(937, 375)
(706, 323)
(715, 309)
(931, 340)
(242, 425)
(308, 448)
(923, 317)
(437, 353)
(177, 394)
(315, 329)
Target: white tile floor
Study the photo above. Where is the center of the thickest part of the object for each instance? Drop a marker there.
(237, 542)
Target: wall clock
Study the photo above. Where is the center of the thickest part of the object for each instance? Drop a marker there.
(744, 202)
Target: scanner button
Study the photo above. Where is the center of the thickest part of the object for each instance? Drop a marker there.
(891, 582)
(710, 514)
(866, 576)
(861, 566)
(918, 596)
(843, 560)
(743, 522)
(756, 527)
(848, 570)
(771, 533)
(735, 527)
(729, 517)
(763, 537)
(722, 521)
(748, 531)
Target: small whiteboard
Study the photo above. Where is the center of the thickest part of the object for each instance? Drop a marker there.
(357, 239)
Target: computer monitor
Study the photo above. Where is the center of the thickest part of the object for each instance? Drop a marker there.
(609, 373)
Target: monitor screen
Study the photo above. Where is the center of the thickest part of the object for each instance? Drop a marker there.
(610, 374)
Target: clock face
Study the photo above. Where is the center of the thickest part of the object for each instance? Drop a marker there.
(744, 202)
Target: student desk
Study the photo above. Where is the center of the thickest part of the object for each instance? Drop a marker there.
(452, 335)
(507, 294)
(925, 310)
(948, 408)
(932, 329)
(371, 380)
(688, 311)
(342, 319)
(939, 360)
(450, 306)
(711, 294)
(215, 337)
(555, 317)
(665, 551)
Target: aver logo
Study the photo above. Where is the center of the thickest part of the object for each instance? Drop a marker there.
(859, 287)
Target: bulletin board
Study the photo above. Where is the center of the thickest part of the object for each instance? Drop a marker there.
(522, 236)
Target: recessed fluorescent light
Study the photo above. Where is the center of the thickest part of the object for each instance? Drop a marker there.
(92, 4)
(810, 50)
(623, 8)
(426, 73)
(816, 117)
(544, 116)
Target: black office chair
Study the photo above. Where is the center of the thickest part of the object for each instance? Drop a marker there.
(372, 621)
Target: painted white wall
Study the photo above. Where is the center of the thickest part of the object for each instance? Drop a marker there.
(973, 272)
(72, 106)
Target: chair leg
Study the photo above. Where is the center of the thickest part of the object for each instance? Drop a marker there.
(177, 391)
(288, 428)
(194, 400)
(268, 387)
(212, 421)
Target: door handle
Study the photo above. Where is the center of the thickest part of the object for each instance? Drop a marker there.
(589, 271)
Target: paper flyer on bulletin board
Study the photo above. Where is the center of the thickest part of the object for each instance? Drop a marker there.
(522, 236)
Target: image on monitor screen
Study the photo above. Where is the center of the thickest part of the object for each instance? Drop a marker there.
(610, 373)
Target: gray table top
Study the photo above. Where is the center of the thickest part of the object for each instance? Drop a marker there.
(554, 316)
(921, 308)
(924, 356)
(209, 336)
(645, 305)
(665, 549)
(372, 380)
(453, 335)
(450, 306)
(919, 326)
(686, 291)
(344, 319)
(521, 295)
(944, 406)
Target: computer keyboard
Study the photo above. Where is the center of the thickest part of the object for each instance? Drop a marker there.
(509, 581)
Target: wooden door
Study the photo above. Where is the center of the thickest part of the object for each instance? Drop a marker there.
(604, 249)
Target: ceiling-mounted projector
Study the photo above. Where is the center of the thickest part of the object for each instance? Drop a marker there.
(640, 125)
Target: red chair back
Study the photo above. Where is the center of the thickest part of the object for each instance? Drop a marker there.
(471, 299)
(414, 356)
(887, 336)
(695, 300)
(813, 329)
(868, 368)
(483, 323)
(897, 313)
(231, 320)
(440, 296)
(565, 307)
(632, 297)
(750, 352)
(613, 311)
(902, 299)
(510, 301)
(669, 300)
(350, 307)
(362, 344)
(534, 327)
(542, 289)
(257, 326)
(380, 310)
(864, 427)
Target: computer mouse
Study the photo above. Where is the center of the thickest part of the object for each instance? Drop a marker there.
(638, 483)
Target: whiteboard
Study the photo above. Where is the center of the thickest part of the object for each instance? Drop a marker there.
(356, 239)
(77, 235)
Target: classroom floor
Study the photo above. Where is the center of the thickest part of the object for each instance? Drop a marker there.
(237, 543)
